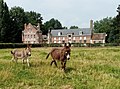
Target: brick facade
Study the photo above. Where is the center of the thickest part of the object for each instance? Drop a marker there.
(31, 34)
(81, 35)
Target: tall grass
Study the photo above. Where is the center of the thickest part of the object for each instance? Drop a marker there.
(88, 68)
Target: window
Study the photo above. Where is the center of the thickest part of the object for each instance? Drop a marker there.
(54, 41)
(74, 41)
(59, 33)
(63, 41)
(80, 38)
(54, 38)
(100, 42)
(69, 35)
(84, 38)
(84, 41)
(73, 38)
(59, 41)
(80, 32)
(28, 36)
(80, 41)
(63, 38)
(59, 38)
(34, 36)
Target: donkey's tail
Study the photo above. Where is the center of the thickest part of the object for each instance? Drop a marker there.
(12, 52)
(47, 55)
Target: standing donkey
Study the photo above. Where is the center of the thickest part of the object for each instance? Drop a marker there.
(22, 54)
(60, 54)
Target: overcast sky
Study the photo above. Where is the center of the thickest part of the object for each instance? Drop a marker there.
(69, 12)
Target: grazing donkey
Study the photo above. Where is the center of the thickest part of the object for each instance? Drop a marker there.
(60, 54)
(23, 54)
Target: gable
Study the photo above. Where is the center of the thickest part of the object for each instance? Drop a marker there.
(98, 36)
(30, 29)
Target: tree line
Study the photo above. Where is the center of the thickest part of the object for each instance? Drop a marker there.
(110, 26)
(12, 23)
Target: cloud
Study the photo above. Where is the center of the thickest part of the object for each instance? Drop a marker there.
(69, 12)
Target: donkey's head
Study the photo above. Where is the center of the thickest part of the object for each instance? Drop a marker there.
(28, 50)
(67, 50)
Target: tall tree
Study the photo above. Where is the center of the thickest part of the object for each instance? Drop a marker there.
(5, 33)
(52, 24)
(115, 32)
(17, 16)
(74, 27)
(33, 17)
(104, 26)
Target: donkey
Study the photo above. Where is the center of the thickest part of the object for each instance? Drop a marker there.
(22, 54)
(60, 54)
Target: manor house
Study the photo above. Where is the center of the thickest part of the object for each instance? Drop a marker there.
(81, 35)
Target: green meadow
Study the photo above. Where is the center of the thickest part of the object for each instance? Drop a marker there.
(88, 68)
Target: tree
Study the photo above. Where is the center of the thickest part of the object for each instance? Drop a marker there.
(5, 33)
(51, 24)
(18, 19)
(74, 27)
(115, 32)
(33, 17)
(104, 26)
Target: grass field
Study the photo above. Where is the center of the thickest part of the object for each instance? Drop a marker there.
(88, 68)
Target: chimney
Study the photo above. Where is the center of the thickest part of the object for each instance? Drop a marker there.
(91, 24)
(25, 26)
(38, 26)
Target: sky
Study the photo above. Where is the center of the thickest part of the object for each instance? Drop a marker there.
(69, 12)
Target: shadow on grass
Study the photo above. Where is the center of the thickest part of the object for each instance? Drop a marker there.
(69, 69)
(37, 64)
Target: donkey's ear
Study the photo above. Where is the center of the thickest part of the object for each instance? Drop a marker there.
(69, 44)
(27, 45)
(65, 45)
(30, 45)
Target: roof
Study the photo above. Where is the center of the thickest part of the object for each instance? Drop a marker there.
(30, 27)
(76, 32)
(98, 36)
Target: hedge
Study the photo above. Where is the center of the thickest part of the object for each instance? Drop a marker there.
(21, 45)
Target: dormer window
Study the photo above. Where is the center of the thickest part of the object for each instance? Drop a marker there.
(80, 32)
(59, 33)
(69, 35)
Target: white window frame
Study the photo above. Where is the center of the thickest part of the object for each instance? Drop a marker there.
(59, 38)
(73, 38)
(63, 38)
(54, 38)
(54, 41)
(85, 38)
(80, 38)
(80, 32)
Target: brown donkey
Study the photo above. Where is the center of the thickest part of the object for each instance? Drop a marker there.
(22, 54)
(60, 54)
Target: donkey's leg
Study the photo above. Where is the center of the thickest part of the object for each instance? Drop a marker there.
(23, 60)
(12, 59)
(51, 62)
(63, 63)
(28, 62)
(54, 62)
